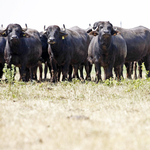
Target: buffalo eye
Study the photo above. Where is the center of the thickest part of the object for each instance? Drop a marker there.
(18, 32)
(109, 28)
(100, 26)
(9, 30)
(46, 33)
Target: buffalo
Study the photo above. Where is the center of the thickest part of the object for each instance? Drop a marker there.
(108, 49)
(45, 55)
(23, 47)
(2, 61)
(138, 45)
(67, 47)
(2, 47)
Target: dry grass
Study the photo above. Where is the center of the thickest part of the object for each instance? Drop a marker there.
(75, 116)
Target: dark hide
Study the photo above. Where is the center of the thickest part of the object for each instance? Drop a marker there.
(23, 49)
(107, 49)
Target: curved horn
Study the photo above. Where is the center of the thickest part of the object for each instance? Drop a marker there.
(26, 25)
(44, 27)
(25, 29)
(63, 32)
(115, 29)
(2, 30)
(64, 28)
(95, 29)
(2, 27)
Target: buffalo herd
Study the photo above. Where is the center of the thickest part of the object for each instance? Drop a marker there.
(65, 51)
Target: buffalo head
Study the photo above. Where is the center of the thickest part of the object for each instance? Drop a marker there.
(14, 32)
(105, 32)
(104, 26)
(55, 34)
(106, 29)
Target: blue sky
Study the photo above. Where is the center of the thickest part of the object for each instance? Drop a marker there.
(37, 13)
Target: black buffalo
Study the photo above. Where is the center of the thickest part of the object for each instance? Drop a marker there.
(138, 45)
(67, 47)
(23, 47)
(45, 55)
(107, 49)
(2, 61)
(2, 47)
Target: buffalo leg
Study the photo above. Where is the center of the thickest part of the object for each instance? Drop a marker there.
(88, 71)
(33, 76)
(45, 70)
(49, 67)
(118, 72)
(122, 71)
(1, 70)
(108, 73)
(129, 69)
(81, 72)
(53, 70)
(98, 72)
(27, 74)
(33, 73)
(75, 71)
(70, 72)
(23, 73)
(41, 70)
(59, 70)
(147, 65)
(140, 69)
(135, 69)
(65, 70)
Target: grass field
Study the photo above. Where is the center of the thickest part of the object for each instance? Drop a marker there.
(75, 116)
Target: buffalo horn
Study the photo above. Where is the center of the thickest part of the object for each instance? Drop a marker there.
(2, 30)
(95, 29)
(44, 27)
(115, 29)
(64, 29)
(25, 29)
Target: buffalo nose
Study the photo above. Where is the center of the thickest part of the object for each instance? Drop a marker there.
(51, 40)
(14, 37)
(106, 31)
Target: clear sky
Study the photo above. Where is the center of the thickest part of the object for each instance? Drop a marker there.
(37, 13)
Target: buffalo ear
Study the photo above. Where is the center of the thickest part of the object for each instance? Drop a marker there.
(63, 34)
(24, 34)
(94, 33)
(88, 30)
(44, 32)
(114, 32)
(3, 33)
